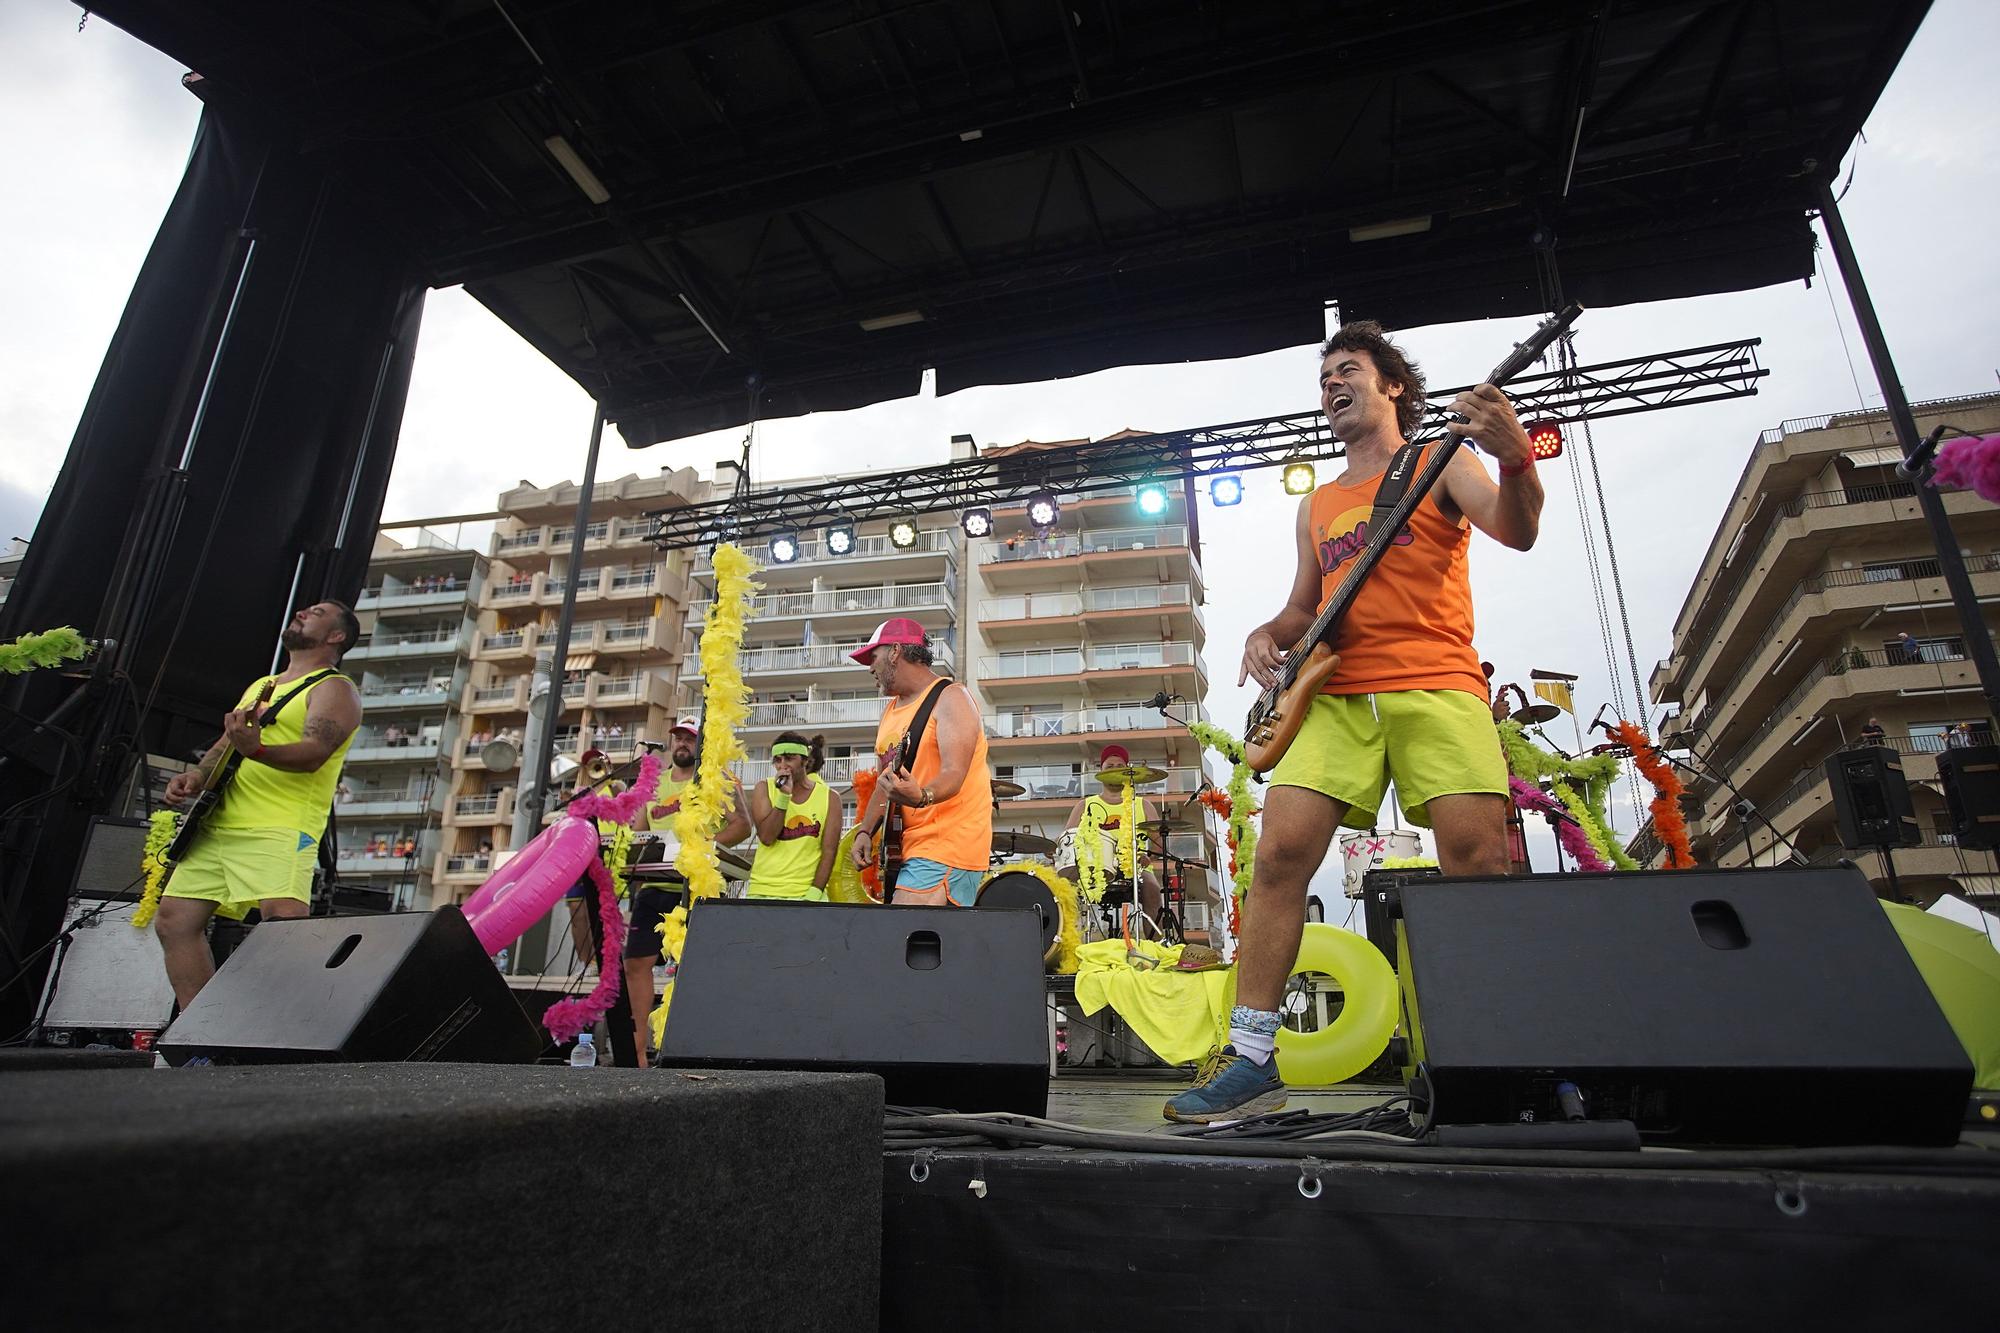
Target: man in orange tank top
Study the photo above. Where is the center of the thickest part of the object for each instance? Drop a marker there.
(945, 799)
(1408, 701)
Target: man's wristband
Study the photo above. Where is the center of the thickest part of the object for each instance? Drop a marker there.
(1527, 465)
(258, 753)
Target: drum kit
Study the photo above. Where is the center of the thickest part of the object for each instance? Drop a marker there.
(1023, 862)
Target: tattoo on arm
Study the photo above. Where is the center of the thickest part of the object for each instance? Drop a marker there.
(325, 731)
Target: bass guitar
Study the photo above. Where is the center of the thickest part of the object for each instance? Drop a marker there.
(889, 843)
(210, 795)
(1280, 710)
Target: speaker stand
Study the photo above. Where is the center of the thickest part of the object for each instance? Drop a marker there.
(1889, 869)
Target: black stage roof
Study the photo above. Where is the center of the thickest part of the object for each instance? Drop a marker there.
(829, 197)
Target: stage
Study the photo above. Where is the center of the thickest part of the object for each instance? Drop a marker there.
(541, 1193)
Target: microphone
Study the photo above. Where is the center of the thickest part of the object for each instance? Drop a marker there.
(1599, 724)
(1911, 468)
(1161, 700)
(653, 745)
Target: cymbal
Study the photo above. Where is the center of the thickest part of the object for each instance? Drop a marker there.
(1536, 714)
(1136, 775)
(1007, 842)
(1003, 789)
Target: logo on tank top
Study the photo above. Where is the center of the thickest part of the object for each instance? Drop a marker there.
(1349, 533)
(799, 826)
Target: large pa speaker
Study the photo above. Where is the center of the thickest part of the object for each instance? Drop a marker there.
(1871, 801)
(1750, 1007)
(945, 1004)
(1971, 781)
(408, 986)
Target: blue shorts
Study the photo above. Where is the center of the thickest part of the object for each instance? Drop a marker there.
(930, 884)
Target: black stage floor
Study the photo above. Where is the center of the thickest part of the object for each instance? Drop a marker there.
(995, 1237)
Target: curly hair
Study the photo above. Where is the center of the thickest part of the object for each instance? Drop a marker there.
(817, 744)
(1391, 363)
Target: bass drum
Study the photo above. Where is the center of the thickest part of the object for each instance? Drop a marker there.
(1021, 888)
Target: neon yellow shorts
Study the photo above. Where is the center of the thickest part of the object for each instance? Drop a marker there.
(239, 867)
(1430, 742)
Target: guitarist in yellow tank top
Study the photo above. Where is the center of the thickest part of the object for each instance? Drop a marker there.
(1406, 701)
(260, 846)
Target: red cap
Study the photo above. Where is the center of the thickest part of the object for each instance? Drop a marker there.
(591, 754)
(691, 725)
(899, 630)
(1113, 755)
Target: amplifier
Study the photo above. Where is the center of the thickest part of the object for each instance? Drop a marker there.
(1750, 1007)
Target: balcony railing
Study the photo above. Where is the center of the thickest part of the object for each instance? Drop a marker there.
(518, 541)
(574, 689)
(614, 687)
(634, 578)
(832, 601)
(493, 694)
(1092, 541)
(815, 713)
(1035, 606)
(1060, 783)
(1837, 664)
(476, 805)
(512, 638)
(1070, 661)
(632, 633)
(468, 864)
(1033, 724)
(513, 591)
(1913, 568)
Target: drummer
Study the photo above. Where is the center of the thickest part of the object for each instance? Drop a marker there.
(1114, 771)
(797, 823)
(652, 901)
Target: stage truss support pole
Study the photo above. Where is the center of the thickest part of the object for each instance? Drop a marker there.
(1972, 625)
(535, 774)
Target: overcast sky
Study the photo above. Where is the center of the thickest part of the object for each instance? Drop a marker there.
(103, 130)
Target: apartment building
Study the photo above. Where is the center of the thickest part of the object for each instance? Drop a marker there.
(1076, 629)
(412, 662)
(813, 612)
(1791, 641)
(618, 675)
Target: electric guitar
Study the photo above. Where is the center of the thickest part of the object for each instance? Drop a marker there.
(210, 795)
(889, 845)
(1277, 714)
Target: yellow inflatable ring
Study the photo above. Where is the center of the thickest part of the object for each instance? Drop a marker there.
(1367, 1018)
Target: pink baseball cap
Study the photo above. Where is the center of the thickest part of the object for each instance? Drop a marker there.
(899, 630)
(691, 725)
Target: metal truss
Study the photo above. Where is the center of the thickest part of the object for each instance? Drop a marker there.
(1608, 389)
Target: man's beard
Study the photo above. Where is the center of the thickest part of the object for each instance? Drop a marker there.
(295, 638)
(683, 758)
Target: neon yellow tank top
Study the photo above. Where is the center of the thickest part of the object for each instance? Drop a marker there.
(262, 797)
(785, 868)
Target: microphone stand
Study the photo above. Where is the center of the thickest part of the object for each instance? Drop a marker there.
(1742, 802)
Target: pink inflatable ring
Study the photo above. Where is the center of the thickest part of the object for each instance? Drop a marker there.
(522, 891)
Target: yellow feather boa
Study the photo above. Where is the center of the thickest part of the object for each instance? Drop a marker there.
(725, 703)
(152, 861)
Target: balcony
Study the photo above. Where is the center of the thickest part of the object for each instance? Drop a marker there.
(463, 867)
(374, 749)
(507, 643)
(1170, 608)
(384, 698)
(630, 637)
(520, 543)
(371, 863)
(377, 648)
(506, 696)
(482, 809)
(771, 664)
(1145, 665)
(642, 687)
(1059, 783)
(870, 549)
(1031, 726)
(371, 803)
(513, 590)
(1165, 545)
(398, 596)
(833, 610)
(800, 714)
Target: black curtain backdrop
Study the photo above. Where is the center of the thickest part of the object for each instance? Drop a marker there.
(280, 313)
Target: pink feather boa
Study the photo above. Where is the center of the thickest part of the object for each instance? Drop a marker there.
(1970, 464)
(566, 1019)
(1568, 832)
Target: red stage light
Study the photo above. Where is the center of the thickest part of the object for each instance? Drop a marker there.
(1546, 438)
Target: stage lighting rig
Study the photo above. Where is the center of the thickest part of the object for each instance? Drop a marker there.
(1043, 511)
(977, 522)
(1299, 478)
(1225, 489)
(903, 533)
(1152, 499)
(784, 547)
(1546, 439)
(839, 538)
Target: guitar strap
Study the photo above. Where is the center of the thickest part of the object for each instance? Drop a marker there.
(270, 714)
(1396, 480)
(907, 756)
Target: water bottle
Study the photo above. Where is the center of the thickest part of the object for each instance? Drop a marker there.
(583, 1055)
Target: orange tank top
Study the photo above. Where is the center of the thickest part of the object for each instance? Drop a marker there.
(1410, 627)
(959, 832)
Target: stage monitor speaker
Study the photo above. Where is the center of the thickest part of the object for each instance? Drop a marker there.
(1970, 777)
(407, 986)
(1871, 801)
(1720, 1007)
(946, 1005)
(109, 866)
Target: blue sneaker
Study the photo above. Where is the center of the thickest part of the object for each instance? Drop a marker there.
(1229, 1087)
